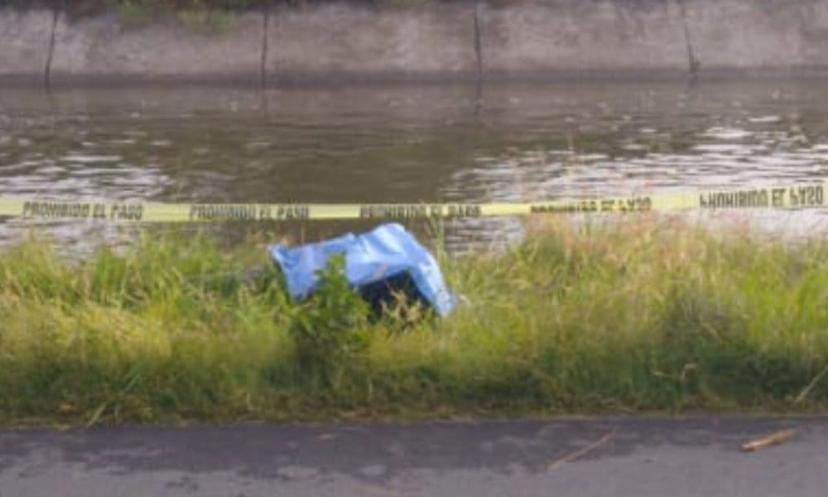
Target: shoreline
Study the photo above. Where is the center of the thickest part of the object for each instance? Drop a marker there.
(380, 80)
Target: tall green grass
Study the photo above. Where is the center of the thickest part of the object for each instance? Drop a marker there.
(630, 316)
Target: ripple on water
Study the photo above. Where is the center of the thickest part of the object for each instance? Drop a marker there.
(765, 119)
(90, 159)
(727, 133)
(409, 144)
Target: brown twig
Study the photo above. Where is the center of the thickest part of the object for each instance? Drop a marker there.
(804, 393)
(580, 452)
(775, 438)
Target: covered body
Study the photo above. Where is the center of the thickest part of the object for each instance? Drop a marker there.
(378, 263)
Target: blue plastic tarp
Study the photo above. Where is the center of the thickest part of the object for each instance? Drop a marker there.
(381, 254)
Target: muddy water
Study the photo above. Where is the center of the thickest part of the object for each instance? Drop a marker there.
(407, 144)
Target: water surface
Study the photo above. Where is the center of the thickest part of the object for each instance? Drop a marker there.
(408, 144)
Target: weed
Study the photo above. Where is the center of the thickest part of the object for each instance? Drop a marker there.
(329, 330)
(629, 315)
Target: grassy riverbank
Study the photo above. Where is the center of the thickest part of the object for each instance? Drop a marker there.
(640, 316)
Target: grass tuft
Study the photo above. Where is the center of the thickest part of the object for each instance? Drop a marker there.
(627, 316)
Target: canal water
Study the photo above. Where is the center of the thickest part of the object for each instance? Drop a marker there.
(424, 143)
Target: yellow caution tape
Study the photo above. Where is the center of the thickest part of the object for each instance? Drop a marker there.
(809, 195)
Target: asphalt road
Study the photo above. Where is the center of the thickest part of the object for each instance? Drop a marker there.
(636, 457)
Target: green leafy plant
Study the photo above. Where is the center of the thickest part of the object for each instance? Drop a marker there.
(329, 330)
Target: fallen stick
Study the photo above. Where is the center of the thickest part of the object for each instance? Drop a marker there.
(775, 438)
(580, 452)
